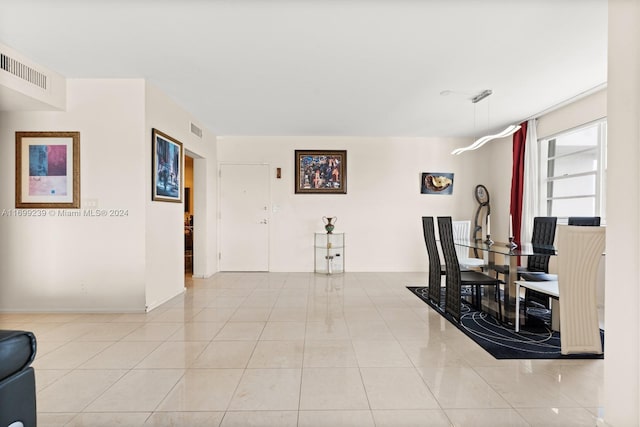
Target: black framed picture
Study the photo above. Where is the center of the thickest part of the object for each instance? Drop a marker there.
(167, 168)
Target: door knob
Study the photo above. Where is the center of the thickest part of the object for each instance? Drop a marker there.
(264, 221)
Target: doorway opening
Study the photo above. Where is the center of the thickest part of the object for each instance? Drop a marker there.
(188, 217)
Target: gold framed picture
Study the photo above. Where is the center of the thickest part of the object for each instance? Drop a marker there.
(48, 170)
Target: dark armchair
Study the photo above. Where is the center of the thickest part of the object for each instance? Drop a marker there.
(17, 379)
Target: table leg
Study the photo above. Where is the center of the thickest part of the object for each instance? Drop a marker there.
(517, 308)
(489, 259)
(509, 287)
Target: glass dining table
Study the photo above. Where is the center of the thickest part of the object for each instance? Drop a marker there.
(510, 255)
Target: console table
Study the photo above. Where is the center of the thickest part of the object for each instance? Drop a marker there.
(329, 253)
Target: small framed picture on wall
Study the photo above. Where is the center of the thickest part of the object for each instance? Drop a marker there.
(436, 183)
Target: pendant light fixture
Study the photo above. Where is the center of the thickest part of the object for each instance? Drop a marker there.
(509, 130)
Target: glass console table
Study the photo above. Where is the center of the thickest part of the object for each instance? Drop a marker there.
(511, 260)
(329, 253)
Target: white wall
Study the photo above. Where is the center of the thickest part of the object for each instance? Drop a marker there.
(90, 264)
(81, 263)
(497, 156)
(165, 220)
(622, 355)
(17, 94)
(585, 110)
(380, 214)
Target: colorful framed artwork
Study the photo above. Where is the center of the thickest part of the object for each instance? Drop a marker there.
(321, 171)
(167, 168)
(48, 170)
(436, 183)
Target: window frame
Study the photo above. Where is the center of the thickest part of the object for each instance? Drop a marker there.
(546, 180)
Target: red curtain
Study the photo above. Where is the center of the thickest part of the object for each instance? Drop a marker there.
(517, 180)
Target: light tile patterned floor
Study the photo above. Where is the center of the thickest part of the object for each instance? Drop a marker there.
(294, 349)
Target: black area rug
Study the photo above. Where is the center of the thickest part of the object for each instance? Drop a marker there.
(534, 341)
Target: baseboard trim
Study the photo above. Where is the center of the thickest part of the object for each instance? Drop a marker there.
(83, 310)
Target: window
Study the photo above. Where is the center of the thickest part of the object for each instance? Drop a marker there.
(574, 165)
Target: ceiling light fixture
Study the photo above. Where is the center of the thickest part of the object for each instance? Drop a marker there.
(482, 95)
(509, 130)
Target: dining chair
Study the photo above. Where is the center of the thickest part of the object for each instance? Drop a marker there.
(579, 250)
(462, 231)
(539, 294)
(435, 266)
(537, 269)
(589, 221)
(544, 234)
(548, 288)
(457, 278)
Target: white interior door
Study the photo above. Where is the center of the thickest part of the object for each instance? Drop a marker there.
(244, 217)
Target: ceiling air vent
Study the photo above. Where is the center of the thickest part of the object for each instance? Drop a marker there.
(196, 130)
(22, 71)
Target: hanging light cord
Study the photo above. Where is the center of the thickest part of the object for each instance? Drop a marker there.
(509, 130)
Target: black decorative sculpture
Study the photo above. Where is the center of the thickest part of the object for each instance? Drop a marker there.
(482, 197)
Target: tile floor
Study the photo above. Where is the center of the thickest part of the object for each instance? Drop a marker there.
(294, 349)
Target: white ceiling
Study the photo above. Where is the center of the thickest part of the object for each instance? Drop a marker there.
(328, 67)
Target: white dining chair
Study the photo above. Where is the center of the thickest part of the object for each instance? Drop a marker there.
(462, 231)
(579, 252)
(549, 288)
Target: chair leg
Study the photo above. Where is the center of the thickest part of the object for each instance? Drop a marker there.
(498, 287)
(499, 303)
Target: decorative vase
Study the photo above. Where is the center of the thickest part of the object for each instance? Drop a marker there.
(329, 223)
